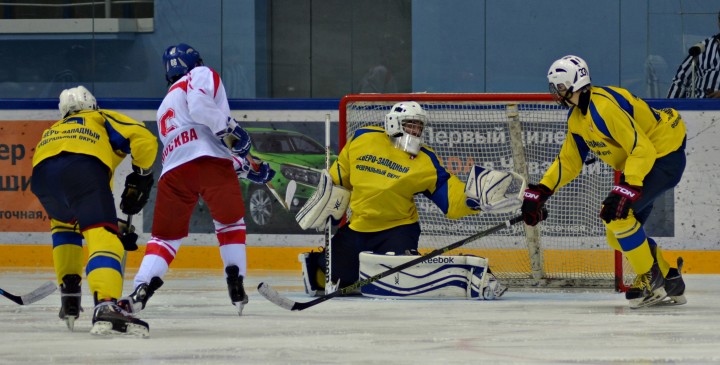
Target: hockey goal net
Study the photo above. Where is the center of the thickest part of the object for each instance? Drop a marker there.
(522, 133)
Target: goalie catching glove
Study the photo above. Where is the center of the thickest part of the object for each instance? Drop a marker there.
(328, 201)
(486, 190)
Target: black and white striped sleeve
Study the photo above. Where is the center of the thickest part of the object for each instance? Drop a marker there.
(707, 72)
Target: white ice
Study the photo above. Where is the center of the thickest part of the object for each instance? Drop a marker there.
(192, 322)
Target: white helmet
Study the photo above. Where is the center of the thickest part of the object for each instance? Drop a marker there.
(400, 114)
(76, 99)
(567, 75)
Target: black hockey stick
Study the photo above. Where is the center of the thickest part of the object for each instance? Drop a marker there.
(272, 295)
(33, 296)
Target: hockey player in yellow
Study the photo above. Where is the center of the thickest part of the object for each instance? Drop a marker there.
(377, 174)
(645, 144)
(73, 166)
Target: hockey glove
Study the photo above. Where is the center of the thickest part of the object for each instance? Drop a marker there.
(618, 203)
(534, 199)
(137, 191)
(127, 235)
(263, 174)
(236, 138)
(259, 174)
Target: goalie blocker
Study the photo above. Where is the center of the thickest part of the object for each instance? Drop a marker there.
(442, 277)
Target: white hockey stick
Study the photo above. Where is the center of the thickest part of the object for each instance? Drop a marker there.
(327, 232)
(272, 295)
(33, 296)
(268, 184)
(290, 193)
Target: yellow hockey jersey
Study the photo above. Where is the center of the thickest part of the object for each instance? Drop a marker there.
(384, 181)
(622, 130)
(105, 134)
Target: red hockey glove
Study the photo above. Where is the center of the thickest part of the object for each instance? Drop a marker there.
(533, 211)
(618, 203)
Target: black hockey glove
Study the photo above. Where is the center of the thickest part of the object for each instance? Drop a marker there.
(137, 191)
(533, 211)
(127, 235)
(618, 203)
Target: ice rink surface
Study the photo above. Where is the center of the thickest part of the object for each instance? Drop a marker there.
(192, 322)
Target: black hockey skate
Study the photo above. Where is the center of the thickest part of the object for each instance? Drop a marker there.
(238, 297)
(110, 319)
(70, 295)
(648, 289)
(675, 285)
(137, 301)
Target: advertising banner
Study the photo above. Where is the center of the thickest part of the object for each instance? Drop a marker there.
(20, 211)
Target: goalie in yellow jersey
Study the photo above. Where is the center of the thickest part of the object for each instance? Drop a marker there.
(645, 144)
(72, 175)
(377, 175)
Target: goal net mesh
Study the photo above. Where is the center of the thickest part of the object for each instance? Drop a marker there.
(522, 133)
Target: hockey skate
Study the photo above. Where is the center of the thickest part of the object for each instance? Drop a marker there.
(493, 290)
(137, 301)
(648, 289)
(675, 285)
(70, 295)
(110, 319)
(238, 297)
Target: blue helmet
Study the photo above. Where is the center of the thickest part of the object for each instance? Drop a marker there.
(179, 60)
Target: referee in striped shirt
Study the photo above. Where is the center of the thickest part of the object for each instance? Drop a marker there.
(707, 71)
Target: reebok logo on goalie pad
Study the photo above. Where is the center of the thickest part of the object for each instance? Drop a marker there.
(441, 260)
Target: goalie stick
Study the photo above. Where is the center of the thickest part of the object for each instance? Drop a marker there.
(33, 296)
(273, 296)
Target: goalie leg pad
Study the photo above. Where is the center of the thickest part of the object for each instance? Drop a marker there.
(313, 272)
(327, 201)
(442, 277)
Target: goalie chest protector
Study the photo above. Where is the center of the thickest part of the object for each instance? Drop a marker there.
(451, 277)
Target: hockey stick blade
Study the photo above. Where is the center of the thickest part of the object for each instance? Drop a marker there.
(273, 296)
(290, 193)
(33, 296)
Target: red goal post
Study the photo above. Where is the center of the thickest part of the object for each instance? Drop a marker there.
(522, 133)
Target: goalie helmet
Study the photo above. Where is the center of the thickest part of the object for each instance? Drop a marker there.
(76, 99)
(179, 60)
(566, 76)
(405, 124)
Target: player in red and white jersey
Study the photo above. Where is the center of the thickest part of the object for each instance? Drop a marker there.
(204, 152)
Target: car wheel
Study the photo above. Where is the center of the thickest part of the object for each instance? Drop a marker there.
(260, 204)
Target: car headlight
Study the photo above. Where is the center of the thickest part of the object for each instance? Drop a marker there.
(301, 174)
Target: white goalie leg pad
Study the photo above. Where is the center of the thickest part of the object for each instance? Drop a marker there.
(495, 191)
(328, 200)
(309, 273)
(441, 277)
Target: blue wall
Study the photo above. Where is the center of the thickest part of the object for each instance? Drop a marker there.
(457, 46)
